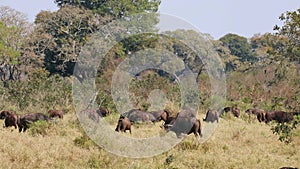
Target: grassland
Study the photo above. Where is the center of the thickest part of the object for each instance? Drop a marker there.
(237, 143)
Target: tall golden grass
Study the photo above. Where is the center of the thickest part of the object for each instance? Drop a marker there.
(237, 143)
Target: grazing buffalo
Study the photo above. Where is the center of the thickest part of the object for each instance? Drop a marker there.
(212, 116)
(5, 113)
(196, 129)
(123, 125)
(135, 115)
(227, 109)
(56, 113)
(259, 113)
(103, 112)
(185, 122)
(11, 119)
(234, 110)
(92, 114)
(160, 115)
(279, 116)
(26, 119)
(288, 168)
(169, 123)
(186, 126)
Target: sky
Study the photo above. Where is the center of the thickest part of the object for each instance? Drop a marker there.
(215, 17)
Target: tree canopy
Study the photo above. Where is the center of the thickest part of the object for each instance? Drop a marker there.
(13, 30)
(116, 8)
(290, 30)
(238, 46)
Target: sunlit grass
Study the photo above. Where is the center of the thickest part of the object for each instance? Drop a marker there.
(235, 144)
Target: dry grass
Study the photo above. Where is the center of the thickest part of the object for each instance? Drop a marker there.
(237, 143)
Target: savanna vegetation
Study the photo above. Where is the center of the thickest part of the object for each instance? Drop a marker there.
(37, 61)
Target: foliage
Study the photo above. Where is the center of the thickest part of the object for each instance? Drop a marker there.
(9, 54)
(285, 130)
(238, 46)
(40, 128)
(142, 88)
(169, 159)
(231, 61)
(266, 46)
(290, 30)
(40, 91)
(116, 8)
(13, 30)
(60, 36)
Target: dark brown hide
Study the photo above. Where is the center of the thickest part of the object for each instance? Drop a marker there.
(123, 125)
(211, 116)
(56, 113)
(26, 119)
(259, 113)
(279, 116)
(92, 114)
(4, 113)
(11, 119)
(135, 115)
(103, 112)
(196, 129)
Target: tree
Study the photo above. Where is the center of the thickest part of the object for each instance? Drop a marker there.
(231, 61)
(116, 8)
(291, 31)
(60, 36)
(238, 46)
(13, 30)
(68, 29)
(267, 46)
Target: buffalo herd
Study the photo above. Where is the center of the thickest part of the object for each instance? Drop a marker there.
(261, 115)
(23, 122)
(183, 122)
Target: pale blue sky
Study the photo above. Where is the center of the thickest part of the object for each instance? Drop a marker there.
(216, 17)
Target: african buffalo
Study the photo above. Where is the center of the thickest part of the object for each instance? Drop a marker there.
(26, 119)
(135, 115)
(92, 114)
(196, 129)
(5, 113)
(185, 122)
(103, 112)
(169, 123)
(259, 113)
(56, 113)
(160, 115)
(279, 116)
(186, 126)
(234, 110)
(123, 125)
(11, 119)
(211, 116)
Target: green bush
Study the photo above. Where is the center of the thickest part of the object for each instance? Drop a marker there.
(41, 91)
(285, 130)
(40, 128)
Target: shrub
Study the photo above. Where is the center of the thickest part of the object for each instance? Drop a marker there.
(39, 128)
(285, 130)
